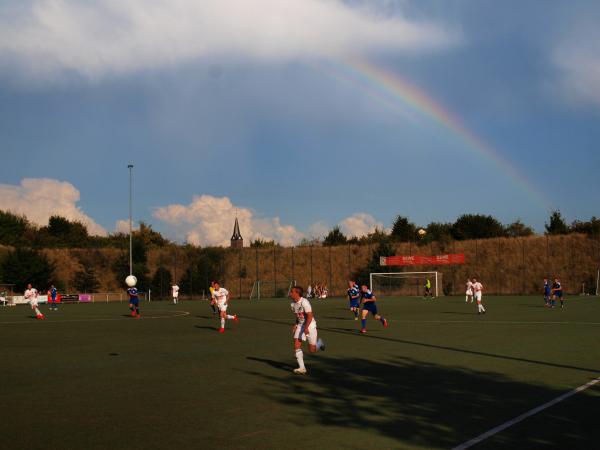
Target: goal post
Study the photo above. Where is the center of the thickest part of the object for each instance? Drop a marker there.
(270, 289)
(405, 283)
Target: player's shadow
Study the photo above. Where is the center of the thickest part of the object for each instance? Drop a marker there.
(425, 405)
(461, 313)
(204, 327)
(275, 364)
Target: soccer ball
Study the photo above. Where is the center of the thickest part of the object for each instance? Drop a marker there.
(422, 232)
(131, 281)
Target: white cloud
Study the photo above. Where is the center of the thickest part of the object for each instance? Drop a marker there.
(208, 220)
(40, 198)
(359, 224)
(118, 36)
(578, 60)
(318, 230)
(122, 226)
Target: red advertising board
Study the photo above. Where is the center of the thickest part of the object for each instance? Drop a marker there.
(415, 260)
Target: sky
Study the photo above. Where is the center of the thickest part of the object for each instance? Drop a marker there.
(298, 115)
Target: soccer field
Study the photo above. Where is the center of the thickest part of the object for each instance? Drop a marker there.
(89, 377)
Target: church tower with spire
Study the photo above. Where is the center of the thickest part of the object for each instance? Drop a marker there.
(236, 239)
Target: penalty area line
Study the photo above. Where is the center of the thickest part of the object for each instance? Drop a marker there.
(522, 417)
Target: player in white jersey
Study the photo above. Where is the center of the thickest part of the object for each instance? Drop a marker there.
(221, 296)
(469, 293)
(31, 295)
(175, 289)
(478, 289)
(305, 328)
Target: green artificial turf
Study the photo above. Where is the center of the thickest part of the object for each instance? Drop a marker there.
(89, 377)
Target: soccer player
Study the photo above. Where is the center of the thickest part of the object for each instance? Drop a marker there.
(305, 328)
(222, 299)
(213, 300)
(428, 289)
(31, 294)
(469, 293)
(369, 306)
(547, 292)
(175, 293)
(134, 302)
(354, 298)
(557, 292)
(53, 295)
(478, 288)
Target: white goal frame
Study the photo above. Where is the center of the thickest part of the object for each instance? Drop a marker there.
(423, 274)
(256, 292)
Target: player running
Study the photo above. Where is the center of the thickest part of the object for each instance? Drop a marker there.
(134, 302)
(213, 300)
(369, 306)
(478, 289)
(221, 296)
(557, 292)
(175, 289)
(469, 292)
(31, 295)
(53, 294)
(354, 298)
(305, 328)
(547, 292)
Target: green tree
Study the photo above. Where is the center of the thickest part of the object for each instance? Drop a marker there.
(263, 243)
(438, 232)
(384, 248)
(477, 226)
(518, 229)
(23, 266)
(403, 230)
(13, 229)
(61, 232)
(591, 227)
(85, 280)
(161, 282)
(556, 224)
(335, 237)
(206, 265)
(140, 264)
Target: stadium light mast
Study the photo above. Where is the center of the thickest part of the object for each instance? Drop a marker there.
(130, 167)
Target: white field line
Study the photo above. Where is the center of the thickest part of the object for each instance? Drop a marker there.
(495, 322)
(172, 316)
(522, 417)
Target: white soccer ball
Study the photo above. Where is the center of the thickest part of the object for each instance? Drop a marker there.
(131, 281)
(422, 232)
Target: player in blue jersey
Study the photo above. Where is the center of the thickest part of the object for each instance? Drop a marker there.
(369, 306)
(53, 295)
(354, 298)
(547, 292)
(557, 292)
(134, 302)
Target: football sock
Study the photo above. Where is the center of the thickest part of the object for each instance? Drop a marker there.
(363, 323)
(300, 358)
(382, 320)
(222, 323)
(229, 317)
(355, 313)
(37, 311)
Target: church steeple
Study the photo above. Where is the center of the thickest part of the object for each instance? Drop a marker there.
(236, 239)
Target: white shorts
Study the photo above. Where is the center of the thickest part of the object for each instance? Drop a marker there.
(470, 293)
(222, 306)
(312, 335)
(478, 296)
(33, 303)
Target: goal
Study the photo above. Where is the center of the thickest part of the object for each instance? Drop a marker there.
(270, 289)
(405, 283)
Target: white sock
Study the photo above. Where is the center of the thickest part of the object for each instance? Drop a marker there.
(300, 358)
(466, 299)
(229, 317)
(222, 323)
(37, 311)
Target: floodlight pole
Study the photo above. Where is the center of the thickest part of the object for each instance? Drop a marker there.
(130, 167)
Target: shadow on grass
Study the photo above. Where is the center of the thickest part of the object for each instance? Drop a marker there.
(204, 327)
(352, 332)
(420, 404)
(473, 313)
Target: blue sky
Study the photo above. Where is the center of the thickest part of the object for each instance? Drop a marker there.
(225, 109)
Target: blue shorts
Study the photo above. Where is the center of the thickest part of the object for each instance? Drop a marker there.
(355, 303)
(558, 294)
(134, 301)
(371, 307)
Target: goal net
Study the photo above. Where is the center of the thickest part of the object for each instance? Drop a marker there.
(405, 284)
(271, 289)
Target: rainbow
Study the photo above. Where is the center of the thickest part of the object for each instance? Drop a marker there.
(390, 86)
